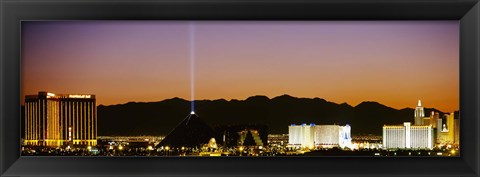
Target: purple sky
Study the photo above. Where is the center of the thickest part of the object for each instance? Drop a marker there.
(392, 62)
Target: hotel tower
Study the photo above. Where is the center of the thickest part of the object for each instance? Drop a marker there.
(60, 119)
(407, 136)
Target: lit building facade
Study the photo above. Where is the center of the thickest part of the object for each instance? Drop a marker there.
(325, 136)
(332, 135)
(394, 136)
(277, 139)
(425, 132)
(60, 119)
(457, 132)
(407, 136)
(301, 135)
(446, 130)
(419, 114)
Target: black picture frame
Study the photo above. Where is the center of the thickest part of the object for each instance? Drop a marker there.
(14, 11)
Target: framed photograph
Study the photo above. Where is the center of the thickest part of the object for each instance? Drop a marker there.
(239, 88)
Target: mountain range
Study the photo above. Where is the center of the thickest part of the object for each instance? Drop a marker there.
(159, 118)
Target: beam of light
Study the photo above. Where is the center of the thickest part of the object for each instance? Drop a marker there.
(192, 66)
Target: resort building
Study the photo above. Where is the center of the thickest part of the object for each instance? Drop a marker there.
(425, 133)
(419, 115)
(446, 130)
(407, 136)
(322, 136)
(60, 119)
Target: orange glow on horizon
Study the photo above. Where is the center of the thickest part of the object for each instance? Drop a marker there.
(393, 63)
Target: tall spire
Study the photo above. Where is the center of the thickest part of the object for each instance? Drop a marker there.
(419, 113)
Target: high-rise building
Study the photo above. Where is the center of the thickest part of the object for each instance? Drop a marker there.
(332, 135)
(407, 136)
(325, 136)
(434, 116)
(60, 119)
(301, 135)
(446, 131)
(421, 135)
(419, 114)
(394, 136)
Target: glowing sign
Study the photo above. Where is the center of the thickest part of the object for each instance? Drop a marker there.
(79, 96)
(50, 95)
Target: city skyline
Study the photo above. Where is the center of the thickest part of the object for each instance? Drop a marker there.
(66, 125)
(391, 63)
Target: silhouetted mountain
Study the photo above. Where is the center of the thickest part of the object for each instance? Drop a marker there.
(159, 118)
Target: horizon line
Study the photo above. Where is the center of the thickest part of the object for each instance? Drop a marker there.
(270, 98)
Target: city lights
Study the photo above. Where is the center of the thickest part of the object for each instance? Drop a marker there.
(79, 96)
(423, 134)
(409, 139)
(49, 95)
(218, 89)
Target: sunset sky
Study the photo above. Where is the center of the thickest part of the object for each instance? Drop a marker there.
(394, 63)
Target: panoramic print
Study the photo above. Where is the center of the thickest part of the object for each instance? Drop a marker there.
(240, 88)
